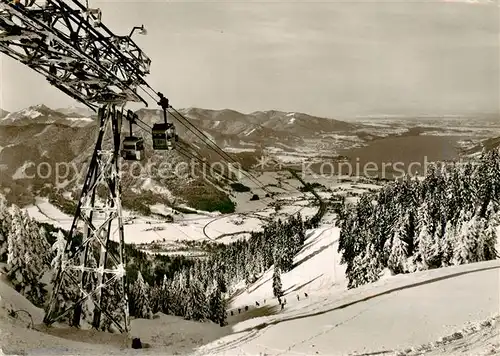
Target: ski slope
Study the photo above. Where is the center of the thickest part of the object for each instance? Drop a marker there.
(395, 313)
(317, 272)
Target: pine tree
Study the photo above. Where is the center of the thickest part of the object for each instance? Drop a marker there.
(178, 295)
(366, 267)
(196, 303)
(301, 233)
(221, 273)
(476, 237)
(259, 265)
(27, 257)
(140, 296)
(398, 255)
(487, 180)
(467, 234)
(217, 307)
(283, 247)
(447, 243)
(277, 287)
(347, 240)
(155, 294)
(114, 305)
(68, 292)
(44, 245)
(5, 223)
(427, 252)
(165, 296)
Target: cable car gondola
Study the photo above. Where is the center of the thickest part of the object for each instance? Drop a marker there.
(164, 135)
(133, 146)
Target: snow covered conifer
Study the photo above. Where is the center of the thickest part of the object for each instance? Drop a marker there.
(113, 303)
(217, 307)
(5, 223)
(166, 295)
(277, 287)
(159, 296)
(178, 294)
(476, 237)
(196, 303)
(486, 241)
(465, 240)
(68, 292)
(155, 296)
(398, 255)
(26, 259)
(301, 229)
(447, 244)
(140, 291)
(366, 267)
(427, 247)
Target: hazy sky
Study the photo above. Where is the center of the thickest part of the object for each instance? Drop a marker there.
(325, 58)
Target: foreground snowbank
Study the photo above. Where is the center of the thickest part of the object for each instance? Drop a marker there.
(165, 334)
(476, 338)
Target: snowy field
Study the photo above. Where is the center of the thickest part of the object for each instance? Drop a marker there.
(213, 226)
(166, 334)
(249, 215)
(317, 271)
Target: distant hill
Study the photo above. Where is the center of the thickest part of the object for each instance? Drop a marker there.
(38, 139)
(488, 144)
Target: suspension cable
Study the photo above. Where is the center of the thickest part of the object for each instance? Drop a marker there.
(219, 150)
(186, 153)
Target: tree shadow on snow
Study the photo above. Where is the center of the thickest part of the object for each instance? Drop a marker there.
(311, 255)
(295, 287)
(266, 310)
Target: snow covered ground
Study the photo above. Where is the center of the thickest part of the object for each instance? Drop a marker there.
(396, 315)
(164, 335)
(429, 311)
(317, 272)
(186, 227)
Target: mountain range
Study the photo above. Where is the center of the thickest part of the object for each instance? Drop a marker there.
(38, 139)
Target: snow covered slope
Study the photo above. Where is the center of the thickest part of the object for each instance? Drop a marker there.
(164, 335)
(317, 272)
(395, 313)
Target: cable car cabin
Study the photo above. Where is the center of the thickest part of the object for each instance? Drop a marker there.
(164, 136)
(133, 148)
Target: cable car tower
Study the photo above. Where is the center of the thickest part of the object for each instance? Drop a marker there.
(67, 43)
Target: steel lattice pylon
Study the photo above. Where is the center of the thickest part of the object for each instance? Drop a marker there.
(65, 41)
(76, 267)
